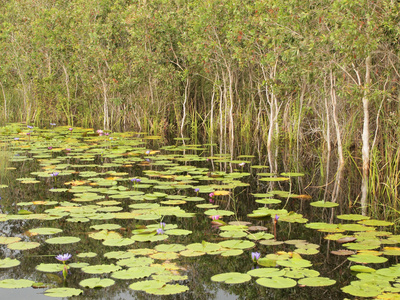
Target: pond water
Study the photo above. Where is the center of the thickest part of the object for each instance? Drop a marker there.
(144, 220)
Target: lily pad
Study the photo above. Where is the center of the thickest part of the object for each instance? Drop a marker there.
(317, 281)
(101, 269)
(23, 245)
(45, 230)
(63, 240)
(231, 277)
(63, 292)
(15, 283)
(146, 285)
(168, 289)
(9, 263)
(276, 282)
(93, 283)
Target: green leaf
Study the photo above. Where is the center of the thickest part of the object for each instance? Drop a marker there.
(168, 289)
(324, 204)
(63, 292)
(170, 247)
(276, 282)
(316, 281)
(23, 245)
(100, 269)
(266, 272)
(63, 240)
(146, 285)
(45, 230)
(96, 283)
(15, 283)
(9, 263)
(237, 244)
(231, 277)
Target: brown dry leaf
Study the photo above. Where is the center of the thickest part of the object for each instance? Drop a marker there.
(343, 252)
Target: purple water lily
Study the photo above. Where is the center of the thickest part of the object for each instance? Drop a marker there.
(160, 231)
(30, 127)
(63, 257)
(162, 224)
(71, 128)
(196, 190)
(255, 256)
(54, 174)
(276, 218)
(53, 124)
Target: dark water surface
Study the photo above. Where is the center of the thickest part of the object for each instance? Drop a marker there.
(80, 154)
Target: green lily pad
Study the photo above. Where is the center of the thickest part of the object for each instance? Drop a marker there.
(294, 263)
(218, 212)
(170, 247)
(324, 204)
(50, 267)
(86, 254)
(232, 252)
(118, 242)
(266, 272)
(317, 281)
(23, 245)
(367, 259)
(63, 292)
(146, 285)
(15, 283)
(231, 277)
(352, 217)
(45, 230)
(93, 283)
(4, 240)
(276, 282)
(178, 232)
(106, 227)
(362, 269)
(237, 244)
(63, 240)
(9, 263)
(135, 262)
(362, 289)
(134, 273)
(101, 269)
(168, 289)
(375, 223)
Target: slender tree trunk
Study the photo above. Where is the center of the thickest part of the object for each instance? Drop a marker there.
(365, 138)
(5, 102)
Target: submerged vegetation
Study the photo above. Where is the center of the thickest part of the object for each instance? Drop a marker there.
(133, 215)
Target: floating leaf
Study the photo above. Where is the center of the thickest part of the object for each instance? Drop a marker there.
(295, 263)
(45, 230)
(15, 283)
(63, 240)
(23, 245)
(266, 272)
(146, 285)
(100, 269)
(50, 267)
(170, 247)
(63, 292)
(324, 204)
(118, 242)
(93, 283)
(317, 281)
(276, 282)
(9, 263)
(237, 244)
(8, 240)
(168, 289)
(367, 259)
(86, 254)
(231, 277)
(133, 273)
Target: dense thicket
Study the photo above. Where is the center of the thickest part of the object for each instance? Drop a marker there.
(325, 72)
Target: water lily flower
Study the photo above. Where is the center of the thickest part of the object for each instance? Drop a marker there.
(53, 124)
(99, 131)
(160, 231)
(215, 218)
(50, 148)
(54, 174)
(133, 179)
(211, 195)
(67, 149)
(28, 133)
(70, 129)
(255, 256)
(16, 139)
(276, 218)
(30, 127)
(162, 224)
(196, 190)
(107, 133)
(63, 257)
(242, 164)
(148, 152)
(138, 180)
(211, 200)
